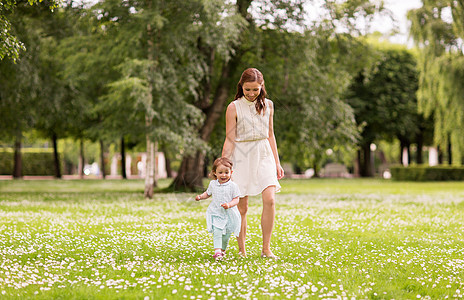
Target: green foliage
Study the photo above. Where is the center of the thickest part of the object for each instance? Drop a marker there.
(441, 67)
(34, 163)
(383, 97)
(306, 76)
(10, 44)
(20, 82)
(425, 173)
(150, 90)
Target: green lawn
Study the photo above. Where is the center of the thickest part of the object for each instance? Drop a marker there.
(362, 239)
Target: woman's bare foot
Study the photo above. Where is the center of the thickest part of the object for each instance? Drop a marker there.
(268, 254)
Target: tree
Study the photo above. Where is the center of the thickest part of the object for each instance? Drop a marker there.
(54, 107)
(154, 85)
(90, 54)
(384, 102)
(20, 83)
(276, 16)
(441, 65)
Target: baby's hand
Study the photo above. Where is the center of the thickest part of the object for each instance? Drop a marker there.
(198, 198)
(225, 205)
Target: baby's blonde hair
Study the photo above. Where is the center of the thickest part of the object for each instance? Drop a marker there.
(220, 161)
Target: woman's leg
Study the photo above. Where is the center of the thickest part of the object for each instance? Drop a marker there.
(242, 208)
(267, 218)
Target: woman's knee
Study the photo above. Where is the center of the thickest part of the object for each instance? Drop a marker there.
(269, 201)
(269, 196)
(243, 206)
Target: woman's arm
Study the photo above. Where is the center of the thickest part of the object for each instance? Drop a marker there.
(231, 203)
(273, 143)
(231, 129)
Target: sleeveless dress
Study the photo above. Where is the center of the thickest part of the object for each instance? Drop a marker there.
(254, 164)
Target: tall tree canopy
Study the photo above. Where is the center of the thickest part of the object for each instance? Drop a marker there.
(140, 65)
(299, 78)
(10, 43)
(438, 29)
(384, 101)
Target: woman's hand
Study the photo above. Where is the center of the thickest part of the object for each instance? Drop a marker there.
(280, 172)
(225, 205)
(198, 198)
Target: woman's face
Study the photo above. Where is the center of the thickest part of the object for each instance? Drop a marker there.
(251, 90)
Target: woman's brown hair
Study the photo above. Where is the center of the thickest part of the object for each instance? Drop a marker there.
(252, 75)
(220, 161)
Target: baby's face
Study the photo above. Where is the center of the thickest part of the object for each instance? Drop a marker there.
(223, 173)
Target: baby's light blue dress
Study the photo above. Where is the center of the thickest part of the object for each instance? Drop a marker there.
(228, 220)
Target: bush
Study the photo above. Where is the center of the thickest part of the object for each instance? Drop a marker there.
(426, 173)
(6, 163)
(34, 163)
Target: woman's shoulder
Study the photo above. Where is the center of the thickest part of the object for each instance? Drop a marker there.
(270, 104)
(232, 104)
(231, 108)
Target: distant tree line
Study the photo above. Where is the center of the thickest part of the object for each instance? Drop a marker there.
(160, 74)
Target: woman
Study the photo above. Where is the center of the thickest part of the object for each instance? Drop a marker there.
(251, 144)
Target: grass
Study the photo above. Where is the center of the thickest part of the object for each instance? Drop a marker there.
(362, 239)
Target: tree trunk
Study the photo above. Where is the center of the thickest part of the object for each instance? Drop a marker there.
(440, 155)
(357, 164)
(402, 145)
(298, 169)
(366, 169)
(190, 173)
(123, 159)
(149, 174)
(155, 167)
(102, 159)
(450, 155)
(150, 167)
(168, 161)
(316, 170)
(205, 167)
(408, 152)
(56, 157)
(420, 145)
(80, 170)
(316, 164)
(18, 161)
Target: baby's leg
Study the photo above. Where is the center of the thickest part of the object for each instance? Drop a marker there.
(225, 240)
(217, 239)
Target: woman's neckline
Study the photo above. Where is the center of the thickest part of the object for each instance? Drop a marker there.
(249, 102)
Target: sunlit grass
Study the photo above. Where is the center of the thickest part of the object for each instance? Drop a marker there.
(371, 186)
(335, 239)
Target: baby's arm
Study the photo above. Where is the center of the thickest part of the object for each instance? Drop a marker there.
(202, 196)
(231, 203)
